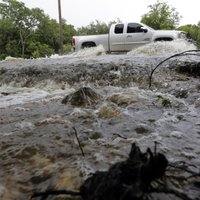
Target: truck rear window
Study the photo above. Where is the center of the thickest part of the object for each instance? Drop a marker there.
(119, 28)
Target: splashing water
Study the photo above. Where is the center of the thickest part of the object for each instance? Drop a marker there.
(14, 95)
(168, 47)
(156, 48)
(38, 149)
(87, 52)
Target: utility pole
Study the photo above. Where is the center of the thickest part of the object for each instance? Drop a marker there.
(61, 27)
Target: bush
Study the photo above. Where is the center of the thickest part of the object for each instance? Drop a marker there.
(36, 50)
(67, 48)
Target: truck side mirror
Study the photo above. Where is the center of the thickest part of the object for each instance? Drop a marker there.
(144, 29)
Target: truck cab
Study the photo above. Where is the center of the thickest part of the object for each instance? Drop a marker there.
(126, 36)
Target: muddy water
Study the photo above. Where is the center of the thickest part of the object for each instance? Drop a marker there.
(38, 148)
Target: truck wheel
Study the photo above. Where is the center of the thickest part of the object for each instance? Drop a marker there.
(88, 45)
(163, 39)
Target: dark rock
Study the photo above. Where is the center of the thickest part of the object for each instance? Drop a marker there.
(142, 129)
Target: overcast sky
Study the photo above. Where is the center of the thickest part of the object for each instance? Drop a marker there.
(82, 12)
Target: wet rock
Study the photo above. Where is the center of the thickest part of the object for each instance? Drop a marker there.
(68, 180)
(181, 93)
(141, 129)
(85, 96)
(39, 178)
(109, 111)
(122, 99)
(96, 135)
(189, 68)
(5, 93)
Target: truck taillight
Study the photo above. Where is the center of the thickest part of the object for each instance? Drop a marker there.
(73, 41)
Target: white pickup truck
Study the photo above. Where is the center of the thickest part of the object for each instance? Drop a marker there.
(125, 37)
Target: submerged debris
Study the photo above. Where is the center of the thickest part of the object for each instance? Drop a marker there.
(109, 110)
(194, 69)
(139, 177)
(129, 179)
(189, 68)
(85, 96)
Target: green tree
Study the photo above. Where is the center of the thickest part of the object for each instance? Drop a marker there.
(161, 16)
(93, 28)
(20, 27)
(9, 41)
(36, 49)
(48, 33)
(68, 32)
(96, 27)
(194, 31)
(22, 17)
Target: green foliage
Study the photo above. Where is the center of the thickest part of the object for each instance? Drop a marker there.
(96, 27)
(194, 31)
(37, 49)
(22, 19)
(48, 32)
(161, 16)
(67, 48)
(12, 48)
(68, 32)
(165, 101)
(21, 27)
(8, 39)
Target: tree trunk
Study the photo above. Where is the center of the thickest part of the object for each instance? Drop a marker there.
(22, 40)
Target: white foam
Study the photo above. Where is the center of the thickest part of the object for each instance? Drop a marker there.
(25, 125)
(87, 52)
(20, 95)
(2, 190)
(176, 134)
(10, 58)
(164, 47)
(189, 155)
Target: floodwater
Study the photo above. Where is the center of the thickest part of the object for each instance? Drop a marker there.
(38, 147)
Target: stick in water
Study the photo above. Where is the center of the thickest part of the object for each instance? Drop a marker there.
(79, 142)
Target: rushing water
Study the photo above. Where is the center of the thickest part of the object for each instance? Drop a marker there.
(38, 149)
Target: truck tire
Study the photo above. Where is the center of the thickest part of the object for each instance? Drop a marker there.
(163, 39)
(88, 45)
